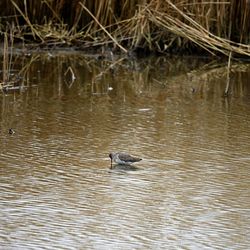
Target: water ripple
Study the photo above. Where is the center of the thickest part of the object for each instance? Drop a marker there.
(190, 191)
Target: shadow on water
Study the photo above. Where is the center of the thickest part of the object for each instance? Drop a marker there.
(190, 191)
(124, 167)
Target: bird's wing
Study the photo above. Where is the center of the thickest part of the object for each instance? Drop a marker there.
(128, 158)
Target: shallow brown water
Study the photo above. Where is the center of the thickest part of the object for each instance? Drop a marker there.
(191, 191)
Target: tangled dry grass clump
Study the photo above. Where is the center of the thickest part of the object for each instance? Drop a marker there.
(174, 26)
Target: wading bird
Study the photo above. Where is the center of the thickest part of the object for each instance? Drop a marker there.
(123, 158)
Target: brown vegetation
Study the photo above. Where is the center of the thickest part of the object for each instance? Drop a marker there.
(218, 27)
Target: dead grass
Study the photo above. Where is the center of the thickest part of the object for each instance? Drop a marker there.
(218, 27)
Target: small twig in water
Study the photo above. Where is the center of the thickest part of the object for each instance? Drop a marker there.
(69, 69)
(228, 75)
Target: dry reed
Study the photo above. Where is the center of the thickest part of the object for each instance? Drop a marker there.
(218, 27)
(228, 75)
(10, 81)
(7, 60)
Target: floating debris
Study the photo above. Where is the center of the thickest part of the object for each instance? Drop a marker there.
(11, 131)
(144, 109)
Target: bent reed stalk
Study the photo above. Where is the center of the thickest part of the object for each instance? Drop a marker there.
(175, 26)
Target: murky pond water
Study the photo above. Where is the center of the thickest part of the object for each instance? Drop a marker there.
(190, 191)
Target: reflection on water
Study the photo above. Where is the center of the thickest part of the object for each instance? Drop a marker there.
(191, 191)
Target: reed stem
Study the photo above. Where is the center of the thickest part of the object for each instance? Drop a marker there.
(172, 26)
(228, 74)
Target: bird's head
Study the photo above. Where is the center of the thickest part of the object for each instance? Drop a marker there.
(111, 155)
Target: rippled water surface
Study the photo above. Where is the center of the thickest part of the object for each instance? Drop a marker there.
(190, 191)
